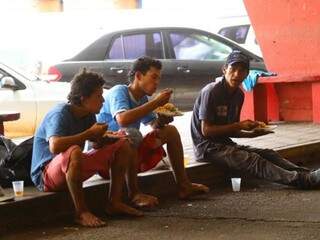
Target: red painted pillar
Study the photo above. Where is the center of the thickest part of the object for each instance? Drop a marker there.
(289, 37)
(316, 102)
(255, 104)
(288, 34)
(273, 110)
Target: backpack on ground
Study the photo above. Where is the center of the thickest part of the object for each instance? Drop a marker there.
(15, 161)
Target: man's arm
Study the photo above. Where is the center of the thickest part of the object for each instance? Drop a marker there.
(58, 144)
(130, 116)
(232, 130)
(227, 130)
(212, 130)
(252, 134)
(161, 121)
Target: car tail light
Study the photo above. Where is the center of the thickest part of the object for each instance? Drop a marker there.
(54, 73)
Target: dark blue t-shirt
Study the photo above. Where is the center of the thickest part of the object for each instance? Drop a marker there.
(58, 122)
(218, 107)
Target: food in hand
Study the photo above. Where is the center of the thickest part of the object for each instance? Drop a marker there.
(264, 127)
(168, 109)
(112, 137)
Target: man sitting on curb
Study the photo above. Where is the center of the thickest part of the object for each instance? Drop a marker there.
(128, 106)
(58, 162)
(216, 118)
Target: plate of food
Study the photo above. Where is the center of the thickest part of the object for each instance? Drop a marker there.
(263, 126)
(168, 110)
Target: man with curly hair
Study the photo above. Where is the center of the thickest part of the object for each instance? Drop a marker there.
(58, 160)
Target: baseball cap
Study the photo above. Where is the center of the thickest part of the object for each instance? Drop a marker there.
(237, 56)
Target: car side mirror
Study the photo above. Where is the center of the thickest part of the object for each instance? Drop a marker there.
(8, 82)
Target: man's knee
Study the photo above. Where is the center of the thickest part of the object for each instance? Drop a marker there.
(169, 132)
(126, 147)
(125, 153)
(75, 156)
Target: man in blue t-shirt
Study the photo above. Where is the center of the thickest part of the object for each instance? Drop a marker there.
(128, 107)
(58, 162)
(216, 118)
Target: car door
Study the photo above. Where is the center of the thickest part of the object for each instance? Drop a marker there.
(198, 59)
(18, 99)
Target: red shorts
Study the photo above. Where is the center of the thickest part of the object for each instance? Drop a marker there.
(95, 161)
(150, 151)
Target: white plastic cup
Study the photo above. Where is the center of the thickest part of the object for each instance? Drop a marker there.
(18, 188)
(236, 182)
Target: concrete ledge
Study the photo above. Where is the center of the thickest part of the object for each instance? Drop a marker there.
(301, 153)
(36, 207)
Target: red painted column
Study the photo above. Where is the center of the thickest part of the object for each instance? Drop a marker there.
(316, 102)
(247, 111)
(288, 34)
(289, 37)
(255, 104)
(273, 110)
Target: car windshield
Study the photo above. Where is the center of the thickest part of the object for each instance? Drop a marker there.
(20, 72)
(198, 47)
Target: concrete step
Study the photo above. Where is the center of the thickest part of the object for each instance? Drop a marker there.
(37, 207)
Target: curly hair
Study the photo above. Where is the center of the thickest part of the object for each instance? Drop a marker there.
(84, 84)
(143, 65)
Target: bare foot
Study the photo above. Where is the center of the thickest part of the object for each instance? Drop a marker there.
(192, 190)
(142, 200)
(87, 219)
(122, 209)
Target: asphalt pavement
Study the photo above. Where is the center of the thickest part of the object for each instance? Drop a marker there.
(259, 211)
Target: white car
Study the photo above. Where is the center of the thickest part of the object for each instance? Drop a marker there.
(240, 30)
(30, 96)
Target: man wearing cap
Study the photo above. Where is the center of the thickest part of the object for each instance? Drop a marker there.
(216, 118)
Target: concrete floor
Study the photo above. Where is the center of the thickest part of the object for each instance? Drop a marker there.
(260, 211)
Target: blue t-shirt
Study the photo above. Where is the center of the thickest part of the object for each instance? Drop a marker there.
(58, 122)
(119, 99)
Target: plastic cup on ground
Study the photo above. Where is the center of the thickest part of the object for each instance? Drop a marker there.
(18, 188)
(236, 182)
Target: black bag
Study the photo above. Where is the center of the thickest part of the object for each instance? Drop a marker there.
(15, 161)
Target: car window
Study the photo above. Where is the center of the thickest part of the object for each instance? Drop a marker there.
(116, 51)
(134, 46)
(19, 85)
(235, 33)
(198, 47)
(137, 45)
(2, 74)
